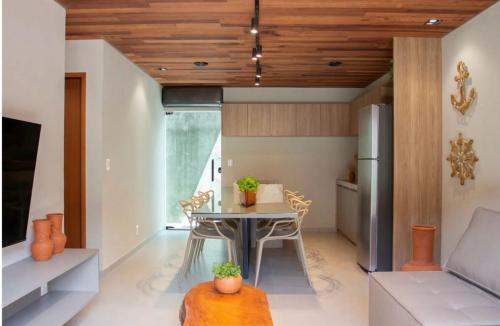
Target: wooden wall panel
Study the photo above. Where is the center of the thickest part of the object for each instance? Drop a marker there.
(334, 119)
(380, 94)
(234, 119)
(283, 119)
(259, 120)
(308, 119)
(417, 141)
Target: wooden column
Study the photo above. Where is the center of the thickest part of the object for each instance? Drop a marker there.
(417, 141)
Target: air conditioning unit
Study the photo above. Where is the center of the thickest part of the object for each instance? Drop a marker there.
(180, 98)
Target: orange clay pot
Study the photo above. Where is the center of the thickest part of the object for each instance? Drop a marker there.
(56, 234)
(248, 198)
(423, 249)
(42, 247)
(228, 285)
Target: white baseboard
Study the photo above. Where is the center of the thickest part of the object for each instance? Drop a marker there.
(327, 229)
(120, 259)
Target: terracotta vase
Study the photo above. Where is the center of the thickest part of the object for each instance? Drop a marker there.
(228, 285)
(248, 198)
(423, 249)
(56, 234)
(42, 247)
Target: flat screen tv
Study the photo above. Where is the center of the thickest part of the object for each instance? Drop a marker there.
(19, 151)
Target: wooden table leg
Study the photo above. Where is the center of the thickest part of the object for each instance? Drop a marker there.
(245, 230)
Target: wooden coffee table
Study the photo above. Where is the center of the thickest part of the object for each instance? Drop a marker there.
(204, 306)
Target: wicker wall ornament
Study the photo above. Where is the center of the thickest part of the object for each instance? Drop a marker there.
(462, 102)
(462, 158)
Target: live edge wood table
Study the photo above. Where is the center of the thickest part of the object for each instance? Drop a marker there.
(204, 306)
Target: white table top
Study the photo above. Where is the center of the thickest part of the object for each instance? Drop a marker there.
(228, 209)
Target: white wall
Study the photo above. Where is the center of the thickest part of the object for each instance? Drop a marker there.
(477, 44)
(126, 124)
(308, 164)
(134, 139)
(33, 90)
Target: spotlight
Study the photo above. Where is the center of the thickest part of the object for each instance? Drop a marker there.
(257, 81)
(258, 74)
(258, 51)
(254, 54)
(433, 21)
(162, 69)
(254, 27)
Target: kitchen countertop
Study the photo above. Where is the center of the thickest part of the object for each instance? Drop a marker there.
(347, 184)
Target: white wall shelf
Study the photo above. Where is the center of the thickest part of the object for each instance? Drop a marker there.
(72, 280)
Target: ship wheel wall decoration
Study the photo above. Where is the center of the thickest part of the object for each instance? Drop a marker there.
(462, 158)
(462, 102)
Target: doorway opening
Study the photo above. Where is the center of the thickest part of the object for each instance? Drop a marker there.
(193, 159)
(74, 160)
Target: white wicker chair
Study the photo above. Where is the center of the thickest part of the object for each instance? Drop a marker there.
(203, 229)
(285, 229)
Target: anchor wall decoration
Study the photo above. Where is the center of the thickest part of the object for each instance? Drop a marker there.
(462, 158)
(463, 103)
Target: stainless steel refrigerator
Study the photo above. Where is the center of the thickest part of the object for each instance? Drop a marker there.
(375, 169)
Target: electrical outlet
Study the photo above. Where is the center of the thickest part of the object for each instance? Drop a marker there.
(230, 163)
(108, 164)
(137, 229)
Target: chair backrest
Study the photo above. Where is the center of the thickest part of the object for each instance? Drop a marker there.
(302, 208)
(187, 208)
(290, 195)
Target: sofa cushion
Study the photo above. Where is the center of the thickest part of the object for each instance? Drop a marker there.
(477, 255)
(440, 298)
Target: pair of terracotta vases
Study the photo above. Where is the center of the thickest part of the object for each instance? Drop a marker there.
(49, 238)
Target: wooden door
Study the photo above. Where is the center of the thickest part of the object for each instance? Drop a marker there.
(234, 119)
(74, 160)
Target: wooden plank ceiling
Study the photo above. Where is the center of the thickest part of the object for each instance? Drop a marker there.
(299, 37)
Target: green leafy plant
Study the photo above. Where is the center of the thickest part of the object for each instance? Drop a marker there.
(248, 183)
(227, 269)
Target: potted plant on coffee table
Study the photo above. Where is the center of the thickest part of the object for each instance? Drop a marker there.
(248, 190)
(227, 277)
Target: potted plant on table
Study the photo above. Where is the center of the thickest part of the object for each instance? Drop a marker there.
(227, 277)
(248, 190)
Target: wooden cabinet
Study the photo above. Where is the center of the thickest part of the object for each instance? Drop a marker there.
(259, 120)
(283, 119)
(347, 211)
(381, 94)
(334, 119)
(235, 119)
(309, 119)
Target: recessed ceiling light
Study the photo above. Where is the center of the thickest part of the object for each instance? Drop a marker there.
(162, 69)
(200, 63)
(334, 63)
(433, 21)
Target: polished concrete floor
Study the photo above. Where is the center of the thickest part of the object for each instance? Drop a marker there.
(147, 288)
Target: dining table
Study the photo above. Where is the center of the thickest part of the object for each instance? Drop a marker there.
(229, 208)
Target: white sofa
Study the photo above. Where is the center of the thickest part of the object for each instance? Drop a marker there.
(466, 293)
